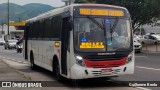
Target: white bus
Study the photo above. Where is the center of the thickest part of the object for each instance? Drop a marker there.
(81, 41)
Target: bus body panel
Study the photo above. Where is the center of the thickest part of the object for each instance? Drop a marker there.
(78, 72)
(45, 50)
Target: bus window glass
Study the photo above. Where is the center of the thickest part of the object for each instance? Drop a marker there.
(99, 34)
(118, 38)
(41, 29)
(88, 35)
(56, 26)
(48, 28)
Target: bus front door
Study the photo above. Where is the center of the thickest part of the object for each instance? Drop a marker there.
(65, 44)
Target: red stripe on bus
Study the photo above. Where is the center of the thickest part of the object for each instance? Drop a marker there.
(105, 63)
(104, 5)
(59, 53)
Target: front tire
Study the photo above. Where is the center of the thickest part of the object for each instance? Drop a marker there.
(155, 43)
(20, 51)
(57, 73)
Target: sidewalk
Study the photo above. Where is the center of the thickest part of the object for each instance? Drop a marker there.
(9, 74)
(151, 48)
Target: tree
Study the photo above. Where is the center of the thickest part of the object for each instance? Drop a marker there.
(142, 11)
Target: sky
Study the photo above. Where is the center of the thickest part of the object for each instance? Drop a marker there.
(54, 3)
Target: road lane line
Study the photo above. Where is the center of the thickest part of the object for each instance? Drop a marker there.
(14, 60)
(141, 56)
(148, 68)
(142, 88)
(8, 58)
(119, 82)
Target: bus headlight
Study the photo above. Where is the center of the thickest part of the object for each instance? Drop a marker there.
(79, 61)
(129, 59)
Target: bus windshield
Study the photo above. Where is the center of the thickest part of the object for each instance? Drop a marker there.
(102, 34)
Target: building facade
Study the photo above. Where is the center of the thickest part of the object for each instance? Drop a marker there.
(13, 33)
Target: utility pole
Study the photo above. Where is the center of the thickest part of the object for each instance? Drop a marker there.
(19, 19)
(2, 28)
(68, 2)
(8, 17)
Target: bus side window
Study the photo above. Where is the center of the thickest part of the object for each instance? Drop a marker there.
(48, 30)
(41, 29)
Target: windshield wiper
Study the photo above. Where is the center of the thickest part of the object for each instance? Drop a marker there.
(102, 26)
(112, 29)
(96, 22)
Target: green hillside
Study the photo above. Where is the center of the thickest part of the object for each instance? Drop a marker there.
(23, 12)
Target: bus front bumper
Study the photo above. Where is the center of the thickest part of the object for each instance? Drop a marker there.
(78, 72)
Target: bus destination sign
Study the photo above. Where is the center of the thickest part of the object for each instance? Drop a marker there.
(101, 12)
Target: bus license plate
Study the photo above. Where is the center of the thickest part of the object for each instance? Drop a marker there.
(109, 70)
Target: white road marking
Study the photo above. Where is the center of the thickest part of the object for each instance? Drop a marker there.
(148, 68)
(14, 60)
(8, 58)
(142, 88)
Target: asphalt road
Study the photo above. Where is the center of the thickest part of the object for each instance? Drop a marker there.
(147, 68)
(11, 54)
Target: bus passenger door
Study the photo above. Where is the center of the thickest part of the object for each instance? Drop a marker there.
(65, 44)
(25, 43)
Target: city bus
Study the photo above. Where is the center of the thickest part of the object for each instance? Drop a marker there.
(81, 41)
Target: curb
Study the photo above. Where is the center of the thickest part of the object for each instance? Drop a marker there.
(145, 51)
(19, 72)
(14, 60)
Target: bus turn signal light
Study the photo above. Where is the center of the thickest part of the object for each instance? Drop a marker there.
(56, 44)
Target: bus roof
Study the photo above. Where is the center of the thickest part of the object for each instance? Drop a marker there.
(68, 8)
(104, 5)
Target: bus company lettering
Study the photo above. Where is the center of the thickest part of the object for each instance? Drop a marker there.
(107, 53)
(91, 45)
(143, 84)
(104, 12)
(27, 84)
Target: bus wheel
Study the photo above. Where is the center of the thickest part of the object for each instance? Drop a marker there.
(33, 66)
(57, 72)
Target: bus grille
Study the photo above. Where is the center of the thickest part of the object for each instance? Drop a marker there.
(105, 63)
(103, 58)
(99, 72)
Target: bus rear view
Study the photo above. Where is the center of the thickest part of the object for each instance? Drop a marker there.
(102, 42)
